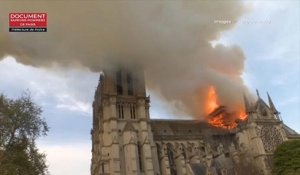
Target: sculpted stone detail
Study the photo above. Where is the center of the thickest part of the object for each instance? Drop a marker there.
(208, 149)
(242, 148)
(159, 150)
(232, 147)
(271, 138)
(258, 130)
(164, 149)
(220, 148)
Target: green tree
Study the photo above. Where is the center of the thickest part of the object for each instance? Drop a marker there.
(287, 158)
(20, 125)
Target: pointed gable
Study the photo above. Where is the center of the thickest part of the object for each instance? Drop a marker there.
(272, 106)
(262, 108)
(129, 127)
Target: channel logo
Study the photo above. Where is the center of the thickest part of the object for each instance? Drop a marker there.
(28, 22)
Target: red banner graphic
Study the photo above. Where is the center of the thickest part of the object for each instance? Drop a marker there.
(30, 20)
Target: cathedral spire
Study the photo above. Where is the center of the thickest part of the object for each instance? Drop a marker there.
(257, 93)
(271, 104)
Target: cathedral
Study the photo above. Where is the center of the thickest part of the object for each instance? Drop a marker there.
(126, 141)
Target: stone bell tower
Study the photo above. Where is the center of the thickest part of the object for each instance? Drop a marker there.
(122, 141)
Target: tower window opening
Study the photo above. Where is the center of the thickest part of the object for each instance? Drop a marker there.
(140, 157)
(132, 111)
(119, 83)
(120, 111)
(131, 115)
(102, 167)
(129, 84)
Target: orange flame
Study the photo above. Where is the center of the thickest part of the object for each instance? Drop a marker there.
(212, 100)
(221, 119)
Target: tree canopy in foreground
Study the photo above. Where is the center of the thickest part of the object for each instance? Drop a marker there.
(20, 125)
(287, 158)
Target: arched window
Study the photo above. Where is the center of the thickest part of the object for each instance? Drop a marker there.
(102, 167)
(140, 157)
(183, 151)
(171, 159)
(132, 111)
(120, 111)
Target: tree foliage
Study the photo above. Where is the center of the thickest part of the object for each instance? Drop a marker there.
(20, 125)
(287, 158)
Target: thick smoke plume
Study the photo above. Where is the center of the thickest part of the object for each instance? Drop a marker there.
(170, 39)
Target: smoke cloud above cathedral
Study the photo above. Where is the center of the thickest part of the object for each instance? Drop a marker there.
(171, 40)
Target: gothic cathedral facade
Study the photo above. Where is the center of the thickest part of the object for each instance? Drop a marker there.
(126, 141)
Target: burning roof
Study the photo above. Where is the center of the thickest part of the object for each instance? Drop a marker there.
(219, 115)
